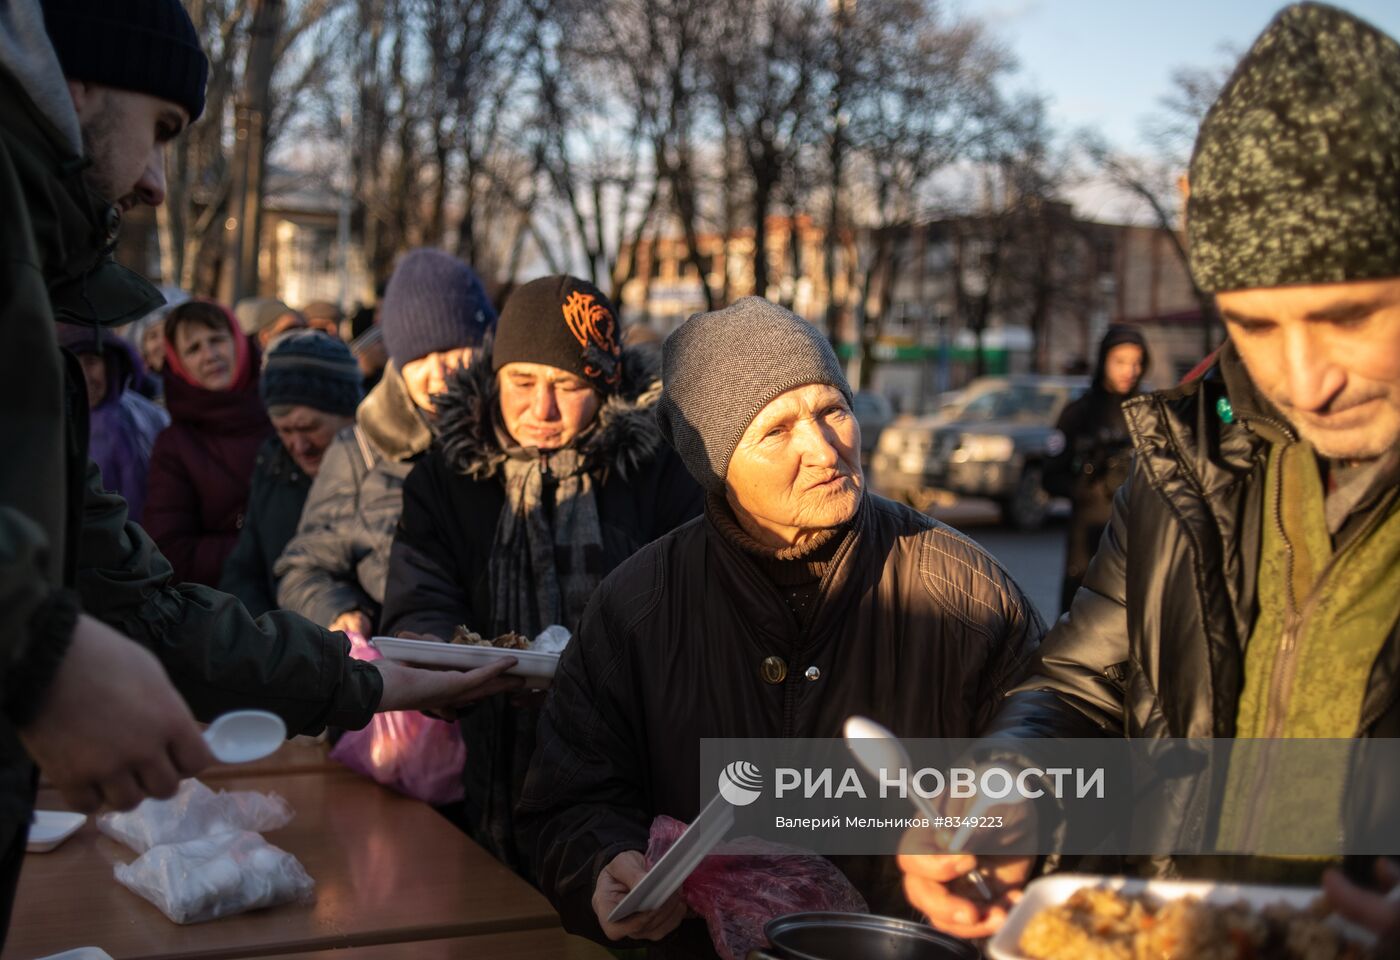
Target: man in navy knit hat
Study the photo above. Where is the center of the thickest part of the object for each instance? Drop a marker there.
(90, 93)
(310, 385)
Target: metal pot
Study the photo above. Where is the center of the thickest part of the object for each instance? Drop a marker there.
(858, 936)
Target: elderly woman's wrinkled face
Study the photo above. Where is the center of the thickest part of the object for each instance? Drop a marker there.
(796, 470)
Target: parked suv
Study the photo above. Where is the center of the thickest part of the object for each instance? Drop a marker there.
(989, 441)
(873, 412)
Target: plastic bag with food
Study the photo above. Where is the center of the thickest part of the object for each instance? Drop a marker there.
(216, 876)
(747, 882)
(405, 750)
(195, 811)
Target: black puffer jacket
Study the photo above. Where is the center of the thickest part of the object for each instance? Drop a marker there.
(274, 507)
(439, 566)
(1153, 645)
(915, 626)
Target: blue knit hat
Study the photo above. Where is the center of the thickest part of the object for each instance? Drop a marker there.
(311, 369)
(434, 302)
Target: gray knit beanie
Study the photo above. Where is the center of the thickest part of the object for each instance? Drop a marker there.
(433, 302)
(720, 369)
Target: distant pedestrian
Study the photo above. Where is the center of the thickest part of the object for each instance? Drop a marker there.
(265, 319)
(1097, 450)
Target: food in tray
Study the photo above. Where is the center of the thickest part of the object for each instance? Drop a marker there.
(1098, 924)
(506, 641)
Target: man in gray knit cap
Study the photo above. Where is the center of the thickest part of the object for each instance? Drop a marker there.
(1248, 583)
(799, 599)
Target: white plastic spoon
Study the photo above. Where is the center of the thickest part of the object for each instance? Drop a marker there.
(245, 735)
(876, 749)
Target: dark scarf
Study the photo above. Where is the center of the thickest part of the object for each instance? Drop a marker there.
(547, 556)
(547, 553)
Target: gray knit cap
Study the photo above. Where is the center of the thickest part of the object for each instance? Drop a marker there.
(1295, 178)
(719, 370)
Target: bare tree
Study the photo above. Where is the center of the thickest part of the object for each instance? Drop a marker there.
(1156, 178)
(765, 71)
(926, 95)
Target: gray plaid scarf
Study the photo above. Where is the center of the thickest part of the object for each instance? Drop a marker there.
(547, 556)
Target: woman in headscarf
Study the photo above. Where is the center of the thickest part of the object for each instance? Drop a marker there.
(202, 465)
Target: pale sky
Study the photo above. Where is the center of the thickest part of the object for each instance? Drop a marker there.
(1108, 62)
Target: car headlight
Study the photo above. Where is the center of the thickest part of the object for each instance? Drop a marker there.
(978, 447)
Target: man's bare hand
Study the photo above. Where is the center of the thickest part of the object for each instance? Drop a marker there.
(933, 884)
(112, 729)
(614, 883)
(443, 692)
(1377, 911)
(352, 621)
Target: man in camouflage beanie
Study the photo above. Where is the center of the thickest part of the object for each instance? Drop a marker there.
(1295, 177)
(1248, 582)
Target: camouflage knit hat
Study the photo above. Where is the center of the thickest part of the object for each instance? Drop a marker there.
(1295, 178)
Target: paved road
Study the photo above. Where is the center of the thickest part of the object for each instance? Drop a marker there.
(1036, 560)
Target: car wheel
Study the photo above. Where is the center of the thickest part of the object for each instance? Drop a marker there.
(1028, 504)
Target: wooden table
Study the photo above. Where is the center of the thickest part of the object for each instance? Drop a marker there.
(526, 945)
(301, 755)
(388, 869)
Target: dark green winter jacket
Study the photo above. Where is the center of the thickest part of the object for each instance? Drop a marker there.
(65, 544)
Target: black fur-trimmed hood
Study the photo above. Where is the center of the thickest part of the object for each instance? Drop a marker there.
(624, 438)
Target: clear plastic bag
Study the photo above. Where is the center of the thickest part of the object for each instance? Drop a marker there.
(405, 750)
(747, 882)
(195, 811)
(216, 876)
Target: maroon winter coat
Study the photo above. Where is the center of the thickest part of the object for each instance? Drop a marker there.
(202, 469)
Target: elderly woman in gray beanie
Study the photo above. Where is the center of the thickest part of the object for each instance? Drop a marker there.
(799, 599)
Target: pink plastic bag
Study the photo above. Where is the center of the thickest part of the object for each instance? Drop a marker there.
(405, 750)
(747, 882)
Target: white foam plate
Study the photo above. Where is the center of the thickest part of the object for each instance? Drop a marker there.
(1056, 889)
(679, 862)
(81, 953)
(51, 827)
(537, 668)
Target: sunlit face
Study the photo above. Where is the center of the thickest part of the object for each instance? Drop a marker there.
(1122, 368)
(1328, 356)
(125, 134)
(208, 354)
(796, 470)
(95, 375)
(544, 406)
(306, 433)
(427, 376)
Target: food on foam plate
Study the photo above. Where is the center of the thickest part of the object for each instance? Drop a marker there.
(506, 641)
(1099, 924)
(553, 639)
